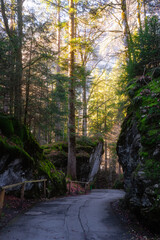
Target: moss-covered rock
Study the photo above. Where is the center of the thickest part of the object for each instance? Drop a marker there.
(57, 153)
(22, 158)
(139, 148)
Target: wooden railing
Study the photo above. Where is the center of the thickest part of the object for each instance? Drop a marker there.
(4, 188)
(86, 185)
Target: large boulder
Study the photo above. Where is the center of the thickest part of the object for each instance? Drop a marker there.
(138, 149)
(22, 159)
(88, 156)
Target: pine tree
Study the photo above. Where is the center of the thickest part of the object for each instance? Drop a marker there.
(71, 169)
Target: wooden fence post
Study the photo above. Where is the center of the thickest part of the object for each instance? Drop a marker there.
(44, 189)
(69, 187)
(2, 195)
(85, 188)
(22, 191)
(77, 188)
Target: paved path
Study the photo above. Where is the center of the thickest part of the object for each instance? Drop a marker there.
(85, 217)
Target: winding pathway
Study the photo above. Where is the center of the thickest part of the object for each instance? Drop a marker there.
(84, 217)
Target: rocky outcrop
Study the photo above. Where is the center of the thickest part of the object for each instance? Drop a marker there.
(138, 149)
(88, 156)
(22, 159)
(95, 161)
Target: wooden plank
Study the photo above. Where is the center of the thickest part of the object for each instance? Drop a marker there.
(69, 187)
(21, 183)
(2, 195)
(44, 189)
(12, 185)
(36, 181)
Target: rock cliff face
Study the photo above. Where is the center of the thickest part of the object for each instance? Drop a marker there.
(138, 149)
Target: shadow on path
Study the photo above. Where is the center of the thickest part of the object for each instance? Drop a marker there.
(84, 217)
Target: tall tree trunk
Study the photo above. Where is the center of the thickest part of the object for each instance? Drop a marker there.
(18, 83)
(145, 11)
(28, 86)
(128, 42)
(84, 108)
(71, 168)
(58, 34)
(12, 60)
(105, 152)
(11, 80)
(125, 29)
(139, 14)
(84, 87)
(58, 123)
(105, 136)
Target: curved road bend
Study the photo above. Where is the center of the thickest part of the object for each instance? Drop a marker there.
(84, 217)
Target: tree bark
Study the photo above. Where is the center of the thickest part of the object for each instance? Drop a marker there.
(84, 109)
(58, 34)
(58, 123)
(125, 28)
(28, 86)
(139, 14)
(71, 168)
(105, 136)
(145, 12)
(128, 42)
(18, 83)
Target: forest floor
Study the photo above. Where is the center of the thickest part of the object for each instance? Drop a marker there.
(13, 207)
(136, 227)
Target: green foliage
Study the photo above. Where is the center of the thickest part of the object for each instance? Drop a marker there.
(14, 151)
(144, 108)
(6, 126)
(146, 49)
(143, 154)
(16, 139)
(86, 141)
(152, 169)
(57, 182)
(119, 183)
(141, 79)
(47, 167)
(105, 103)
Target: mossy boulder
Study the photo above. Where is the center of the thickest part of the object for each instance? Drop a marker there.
(22, 158)
(57, 153)
(139, 148)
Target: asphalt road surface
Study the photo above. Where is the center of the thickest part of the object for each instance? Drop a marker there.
(84, 217)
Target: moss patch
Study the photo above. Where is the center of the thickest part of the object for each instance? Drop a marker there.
(17, 142)
(147, 113)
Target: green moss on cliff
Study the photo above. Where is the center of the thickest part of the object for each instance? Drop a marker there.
(15, 151)
(147, 114)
